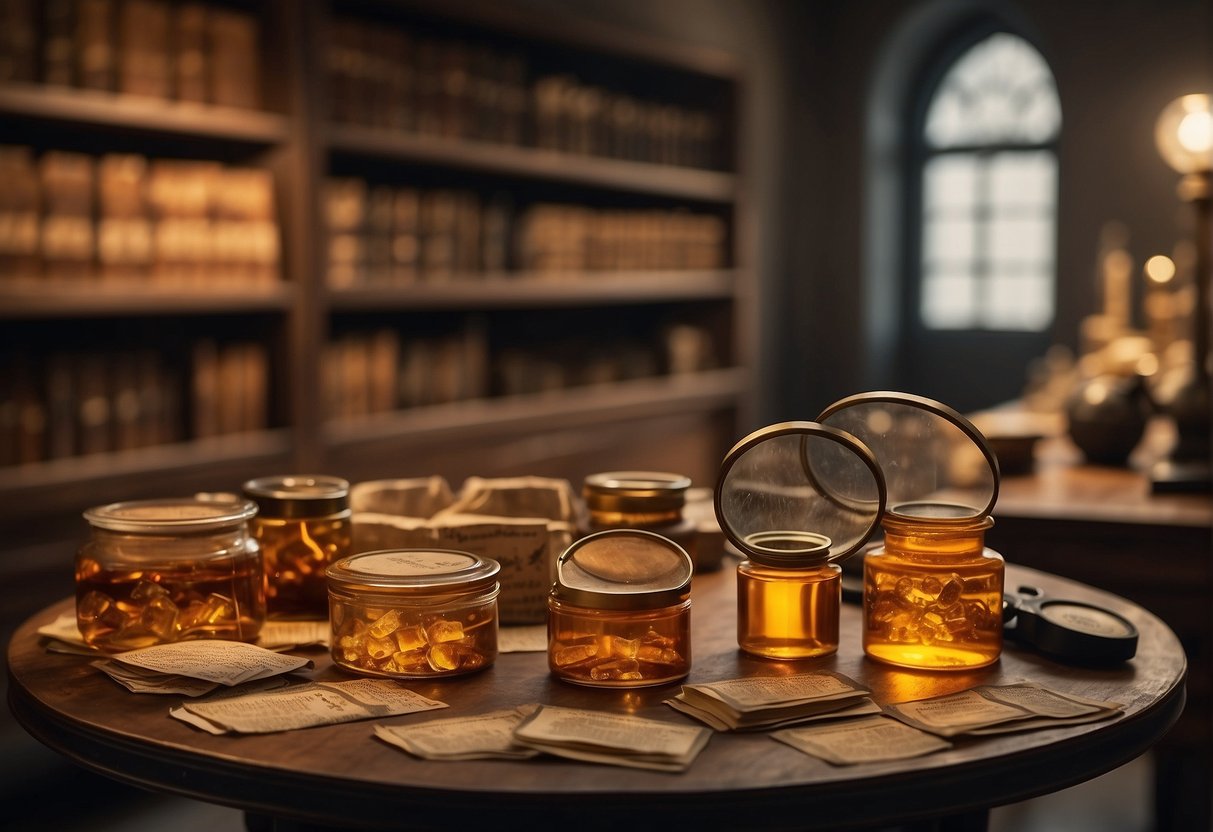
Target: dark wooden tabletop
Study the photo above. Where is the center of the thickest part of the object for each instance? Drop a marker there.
(340, 775)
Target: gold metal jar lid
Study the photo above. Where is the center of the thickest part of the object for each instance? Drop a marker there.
(298, 496)
(623, 569)
(937, 465)
(796, 495)
(416, 573)
(635, 491)
(171, 515)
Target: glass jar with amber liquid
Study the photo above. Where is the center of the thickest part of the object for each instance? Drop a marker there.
(795, 499)
(303, 526)
(175, 569)
(619, 613)
(649, 500)
(933, 592)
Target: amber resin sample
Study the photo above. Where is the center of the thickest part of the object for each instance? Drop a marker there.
(619, 612)
(933, 592)
(933, 595)
(795, 498)
(303, 526)
(159, 571)
(413, 613)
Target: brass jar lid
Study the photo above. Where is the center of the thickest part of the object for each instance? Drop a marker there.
(417, 573)
(298, 496)
(635, 491)
(171, 515)
(623, 569)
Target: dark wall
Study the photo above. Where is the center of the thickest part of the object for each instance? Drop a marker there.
(818, 94)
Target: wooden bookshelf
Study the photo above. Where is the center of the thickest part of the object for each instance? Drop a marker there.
(93, 109)
(686, 419)
(535, 163)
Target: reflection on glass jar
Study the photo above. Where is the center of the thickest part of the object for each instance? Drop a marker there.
(158, 571)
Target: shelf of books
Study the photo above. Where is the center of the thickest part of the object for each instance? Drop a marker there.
(262, 233)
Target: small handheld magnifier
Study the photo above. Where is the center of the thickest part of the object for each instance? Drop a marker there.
(1072, 632)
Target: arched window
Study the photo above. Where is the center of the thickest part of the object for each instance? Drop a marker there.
(987, 146)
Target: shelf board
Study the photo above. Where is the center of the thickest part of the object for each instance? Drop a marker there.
(534, 163)
(44, 299)
(532, 291)
(95, 108)
(596, 35)
(583, 406)
(77, 482)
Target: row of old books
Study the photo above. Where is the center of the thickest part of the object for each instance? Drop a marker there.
(389, 77)
(125, 217)
(188, 51)
(78, 403)
(380, 371)
(383, 235)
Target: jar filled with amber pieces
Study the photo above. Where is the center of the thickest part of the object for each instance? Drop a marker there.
(302, 525)
(413, 613)
(619, 613)
(649, 500)
(795, 499)
(174, 569)
(933, 592)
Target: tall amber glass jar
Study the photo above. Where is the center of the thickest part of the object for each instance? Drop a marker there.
(302, 525)
(649, 500)
(933, 591)
(173, 569)
(795, 498)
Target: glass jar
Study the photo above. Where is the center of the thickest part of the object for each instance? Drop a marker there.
(302, 525)
(795, 499)
(619, 614)
(933, 593)
(649, 500)
(158, 571)
(413, 613)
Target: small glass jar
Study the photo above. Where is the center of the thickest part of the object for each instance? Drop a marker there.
(649, 500)
(619, 614)
(933, 592)
(303, 525)
(158, 571)
(413, 613)
(795, 499)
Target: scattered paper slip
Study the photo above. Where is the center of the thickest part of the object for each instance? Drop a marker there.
(613, 739)
(138, 680)
(756, 703)
(870, 740)
(485, 737)
(304, 706)
(531, 638)
(213, 660)
(990, 709)
(63, 635)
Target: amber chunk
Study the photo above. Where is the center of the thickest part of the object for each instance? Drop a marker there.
(442, 631)
(575, 653)
(385, 625)
(410, 638)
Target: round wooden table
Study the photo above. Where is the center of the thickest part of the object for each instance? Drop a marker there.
(341, 776)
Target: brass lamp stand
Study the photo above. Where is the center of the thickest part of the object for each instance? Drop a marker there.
(1184, 134)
